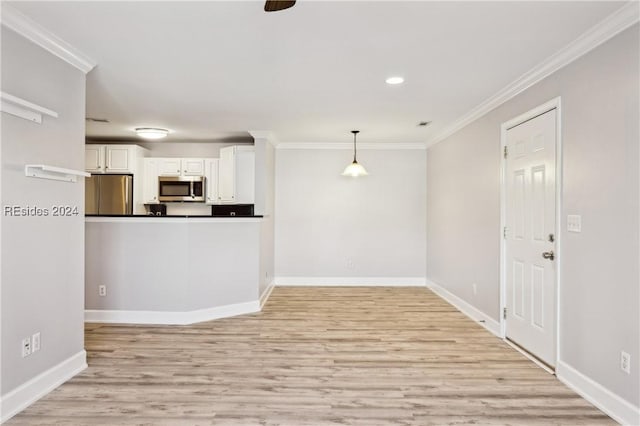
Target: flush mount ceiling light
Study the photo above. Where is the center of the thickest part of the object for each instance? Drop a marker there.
(394, 80)
(151, 133)
(354, 169)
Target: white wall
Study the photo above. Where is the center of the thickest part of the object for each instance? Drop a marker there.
(599, 288)
(42, 257)
(329, 226)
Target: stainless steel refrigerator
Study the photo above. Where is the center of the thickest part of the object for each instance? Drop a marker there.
(108, 194)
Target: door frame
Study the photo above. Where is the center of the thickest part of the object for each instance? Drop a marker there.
(554, 103)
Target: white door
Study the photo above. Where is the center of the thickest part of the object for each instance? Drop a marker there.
(530, 235)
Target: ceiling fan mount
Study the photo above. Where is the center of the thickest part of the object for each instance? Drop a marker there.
(276, 5)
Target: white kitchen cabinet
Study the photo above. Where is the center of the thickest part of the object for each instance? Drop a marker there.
(150, 181)
(110, 158)
(236, 175)
(169, 166)
(211, 183)
(180, 166)
(192, 166)
(94, 158)
(119, 159)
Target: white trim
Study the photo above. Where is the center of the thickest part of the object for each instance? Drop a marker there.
(530, 357)
(265, 294)
(613, 405)
(29, 29)
(618, 21)
(351, 281)
(466, 308)
(555, 103)
(349, 146)
(28, 393)
(267, 135)
(171, 318)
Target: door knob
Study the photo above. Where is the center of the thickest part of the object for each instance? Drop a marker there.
(548, 255)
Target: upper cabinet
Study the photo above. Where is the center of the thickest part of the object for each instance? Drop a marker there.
(180, 167)
(150, 181)
(211, 183)
(110, 158)
(94, 158)
(192, 166)
(236, 175)
(168, 166)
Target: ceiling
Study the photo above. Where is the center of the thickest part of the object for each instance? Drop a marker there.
(210, 71)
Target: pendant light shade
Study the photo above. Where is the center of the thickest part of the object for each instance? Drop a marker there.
(354, 169)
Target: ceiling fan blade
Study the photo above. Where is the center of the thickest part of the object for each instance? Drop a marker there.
(276, 5)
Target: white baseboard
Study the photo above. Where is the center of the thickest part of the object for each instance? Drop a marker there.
(28, 393)
(265, 294)
(171, 318)
(352, 281)
(613, 405)
(478, 316)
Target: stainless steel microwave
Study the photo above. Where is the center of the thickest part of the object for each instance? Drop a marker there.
(181, 188)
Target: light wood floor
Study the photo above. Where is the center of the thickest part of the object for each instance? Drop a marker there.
(313, 356)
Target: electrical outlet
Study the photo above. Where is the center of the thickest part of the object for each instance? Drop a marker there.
(102, 290)
(349, 263)
(474, 286)
(35, 342)
(26, 347)
(625, 362)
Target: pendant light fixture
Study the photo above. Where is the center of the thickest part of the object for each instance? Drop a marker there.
(354, 169)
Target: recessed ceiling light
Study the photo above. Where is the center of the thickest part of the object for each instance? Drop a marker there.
(395, 80)
(151, 133)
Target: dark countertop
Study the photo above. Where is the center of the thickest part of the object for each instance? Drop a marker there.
(177, 216)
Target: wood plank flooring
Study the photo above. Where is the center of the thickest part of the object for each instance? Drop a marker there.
(314, 356)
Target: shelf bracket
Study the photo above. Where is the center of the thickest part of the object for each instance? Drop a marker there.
(43, 171)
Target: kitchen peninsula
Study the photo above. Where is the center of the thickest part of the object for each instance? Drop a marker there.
(171, 270)
(185, 267)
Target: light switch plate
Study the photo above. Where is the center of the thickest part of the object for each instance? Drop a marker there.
(574, 223)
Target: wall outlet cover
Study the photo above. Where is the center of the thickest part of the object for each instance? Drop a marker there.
(26, 347)
(625, 362)
(35, 342)
(102, 290)
(574, 223)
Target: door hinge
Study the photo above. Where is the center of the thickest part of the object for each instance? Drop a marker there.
(504, 232)
(504, 313)
(504, 153)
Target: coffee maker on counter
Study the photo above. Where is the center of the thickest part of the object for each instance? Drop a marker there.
(156, 209)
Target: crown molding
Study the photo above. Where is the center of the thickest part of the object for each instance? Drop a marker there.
(349, 146)
(29, 29)
(267, 135)
(620, 20)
